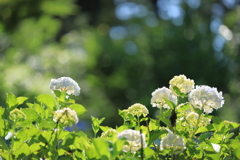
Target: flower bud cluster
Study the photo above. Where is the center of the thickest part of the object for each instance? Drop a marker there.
(134, 138)
(194, 120)
(17, 115)
(184, 84)
(110, 133)
(138, 110)
(65, 116)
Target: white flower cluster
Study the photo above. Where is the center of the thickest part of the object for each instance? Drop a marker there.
(184, 84)
(65, 116)
(135, 140)
(65, 84)
(206, 98)
(137, 110)
(174, 142)
(158, 97)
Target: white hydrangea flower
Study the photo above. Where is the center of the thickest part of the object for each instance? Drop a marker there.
(65, 84)
(193, 118)
(206, 98)
(137, 110)
(174, 142)
(65, 116)
(158, 96)
(134, 138)
(184, 84)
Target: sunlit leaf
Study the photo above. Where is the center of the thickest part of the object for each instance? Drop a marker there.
(11, 101)
(78, 108)
(47, 100)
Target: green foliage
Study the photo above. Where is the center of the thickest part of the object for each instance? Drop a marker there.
(35, 134)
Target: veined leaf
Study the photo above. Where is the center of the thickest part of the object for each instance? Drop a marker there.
(11, 101)
(30, 113)
(21, 100)
(102, 148)
(78, 108)
(47, 100)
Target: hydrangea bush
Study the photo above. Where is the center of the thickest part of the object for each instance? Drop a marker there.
(183, 129)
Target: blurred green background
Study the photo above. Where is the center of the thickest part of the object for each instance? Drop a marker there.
(120, 51)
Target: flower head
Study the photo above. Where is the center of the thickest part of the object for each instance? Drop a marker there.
(184, 84)
(65, 116)
(158, 97)
(206, 98)
(110, 133)
(194, 120)
(66, 84)
(135, 140)
(17, 115)
(174, 142)
(137, 110)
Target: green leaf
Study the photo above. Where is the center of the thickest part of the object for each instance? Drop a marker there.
(11, 101)
(184, 107)
(148, 152)
(21, 100)
(96, 123)
(179, 93)
(104, 128)
(78, 108)
(155, 135)
(153, 124)
(44, 124)
(170, 103)
(22, 151)
(205, 129)
(47, 100)
(31, 114)
(68, 140)
(102, 148)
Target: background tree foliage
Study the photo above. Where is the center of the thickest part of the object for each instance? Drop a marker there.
(119, 51)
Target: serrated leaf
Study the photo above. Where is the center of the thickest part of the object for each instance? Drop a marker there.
(78, 108)
(47, 100)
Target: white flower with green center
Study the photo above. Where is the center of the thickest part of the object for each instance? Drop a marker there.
(173, 142)
(66, 84)
(138, 109)
(65, 116)
(158, 98)
(194, 120)
(184, 84)
(134, 138)
(206, 98)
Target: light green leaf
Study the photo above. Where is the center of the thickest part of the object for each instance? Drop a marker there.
(47, 100)
(78, 108)
(30, 113)
(102, 148)
(21, 100)
(148, 152)
(11, 101)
